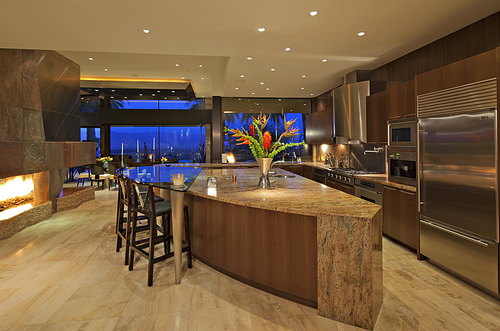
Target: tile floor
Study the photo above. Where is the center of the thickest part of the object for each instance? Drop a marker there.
(64, 274)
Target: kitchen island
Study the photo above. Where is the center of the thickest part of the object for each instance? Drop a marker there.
(300, 240)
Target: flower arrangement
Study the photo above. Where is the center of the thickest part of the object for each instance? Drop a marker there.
(105, 159)
(261, 144)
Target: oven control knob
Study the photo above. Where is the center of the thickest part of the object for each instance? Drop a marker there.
(344, 179)
(348, 179)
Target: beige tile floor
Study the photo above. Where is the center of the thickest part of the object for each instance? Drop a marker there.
(64, 274)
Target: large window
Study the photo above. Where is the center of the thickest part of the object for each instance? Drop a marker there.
(182, 143)
(94, 135)
(275, 126)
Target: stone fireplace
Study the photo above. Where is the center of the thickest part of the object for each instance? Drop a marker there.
(39, 132)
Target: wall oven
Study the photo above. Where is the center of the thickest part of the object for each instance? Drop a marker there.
(402, 134)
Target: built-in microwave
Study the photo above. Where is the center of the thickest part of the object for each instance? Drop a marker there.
(402, 134)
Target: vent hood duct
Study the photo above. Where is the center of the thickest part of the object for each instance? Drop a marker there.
(349, 107)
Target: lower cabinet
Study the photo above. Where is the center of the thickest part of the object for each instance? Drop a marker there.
(307, 172)
(339, 186)
(401, 216)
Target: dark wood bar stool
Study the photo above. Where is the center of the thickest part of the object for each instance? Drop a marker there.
(152, 210)
(124, 215)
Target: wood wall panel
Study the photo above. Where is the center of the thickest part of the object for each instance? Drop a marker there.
(472, 69)
(477, 38)
(271, 250)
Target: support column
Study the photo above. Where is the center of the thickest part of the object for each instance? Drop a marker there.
(217, 127)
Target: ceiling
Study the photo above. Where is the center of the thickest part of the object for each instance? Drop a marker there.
(219, 35)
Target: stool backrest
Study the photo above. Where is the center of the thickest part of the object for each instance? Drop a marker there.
(124, 190)
(143, 203)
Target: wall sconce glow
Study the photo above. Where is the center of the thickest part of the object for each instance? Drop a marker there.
(324, 147)
(361, 34)
(313, 13)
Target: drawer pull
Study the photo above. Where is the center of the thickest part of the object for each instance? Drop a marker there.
(390, 188)
(408, 193)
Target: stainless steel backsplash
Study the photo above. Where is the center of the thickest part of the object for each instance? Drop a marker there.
(375, 162)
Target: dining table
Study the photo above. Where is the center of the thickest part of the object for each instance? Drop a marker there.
(160, 177)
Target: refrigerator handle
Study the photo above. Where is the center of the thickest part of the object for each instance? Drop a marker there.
(479, 242)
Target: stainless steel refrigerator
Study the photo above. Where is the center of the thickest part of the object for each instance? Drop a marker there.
(458, 194)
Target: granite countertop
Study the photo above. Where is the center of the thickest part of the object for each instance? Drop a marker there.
(296, 195)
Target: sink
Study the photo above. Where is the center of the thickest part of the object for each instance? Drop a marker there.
(284, 176)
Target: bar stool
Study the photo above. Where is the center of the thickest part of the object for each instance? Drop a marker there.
(124, 215)
(153, 210)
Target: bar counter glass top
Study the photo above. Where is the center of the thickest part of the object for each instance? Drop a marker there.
(160, 175)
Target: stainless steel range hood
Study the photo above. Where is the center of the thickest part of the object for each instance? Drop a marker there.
(349, 108)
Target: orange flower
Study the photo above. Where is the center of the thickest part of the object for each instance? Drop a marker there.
(267, 140)
(252, 130)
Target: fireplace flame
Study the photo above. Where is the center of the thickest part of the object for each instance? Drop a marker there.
(14, 192)
(16, 187)
(230, 158)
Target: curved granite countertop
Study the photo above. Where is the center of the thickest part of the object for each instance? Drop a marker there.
(296, 195)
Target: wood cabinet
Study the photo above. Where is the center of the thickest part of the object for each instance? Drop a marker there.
(319, 127)
(401, 216)
(296, 169)
(376, 118)
(307, 172)
(401, 101)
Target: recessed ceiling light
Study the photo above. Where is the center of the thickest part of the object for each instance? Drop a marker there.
(112, 97)
(253, 92)
(303, 76)
(158, 91)
(165, 98)
(146, 31)
(153, 94)
(173, 91)
(235, 88)
(361, 34)
(273, 69)
(312, 93)
(112, 90)
(288, 49)
(305, 104)
(96, 90)
(267, 88)
(202, 96)
(202, 77)
(91, 58)
(261, 29)
(302, 88)
(125, 97)
(140, 94)
(242, 76)
(249, 58)
(106, 69)
(324, 60)
(261, 83)
(200, 65)
(177, 64)
(177, 98)
(182, 77)
(239, 99)
(81, 98)
(313, 13)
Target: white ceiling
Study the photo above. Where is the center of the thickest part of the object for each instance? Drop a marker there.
(220, 34)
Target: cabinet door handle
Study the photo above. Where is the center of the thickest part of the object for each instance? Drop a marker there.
(408, 193)
(394, 117)
(410, 115)
(390, 188)
(347, 187)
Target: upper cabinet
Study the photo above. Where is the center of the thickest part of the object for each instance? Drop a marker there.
(319, 127)
(401, 101)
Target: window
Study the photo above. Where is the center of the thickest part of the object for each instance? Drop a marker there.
(183, 144)
(94, 135)
(275, 126)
